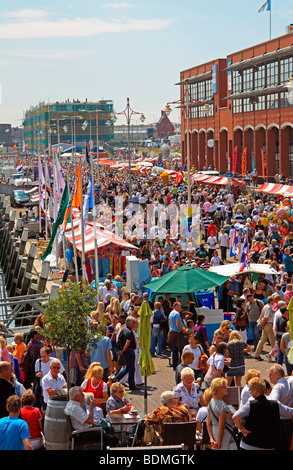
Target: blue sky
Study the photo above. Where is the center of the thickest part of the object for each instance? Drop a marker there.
(104, 49)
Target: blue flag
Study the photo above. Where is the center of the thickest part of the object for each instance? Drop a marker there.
(265, 7)
(87, 203)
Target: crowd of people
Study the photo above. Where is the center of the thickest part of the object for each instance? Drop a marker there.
(204, 368)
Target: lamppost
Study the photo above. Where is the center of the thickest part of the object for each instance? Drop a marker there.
(186, 101)
(128, 113)
(289, 87)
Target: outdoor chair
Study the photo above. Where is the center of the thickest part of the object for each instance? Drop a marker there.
(180, 433)
(149, 448)
(76, 440)
(233, 396)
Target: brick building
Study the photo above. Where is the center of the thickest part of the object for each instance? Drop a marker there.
(164, 127)
(248, 110)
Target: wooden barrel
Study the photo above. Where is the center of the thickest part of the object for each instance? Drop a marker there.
(55, 424)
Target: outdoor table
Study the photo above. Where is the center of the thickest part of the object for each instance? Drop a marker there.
(124, 420)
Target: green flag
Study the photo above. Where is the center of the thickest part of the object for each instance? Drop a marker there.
(58, 221)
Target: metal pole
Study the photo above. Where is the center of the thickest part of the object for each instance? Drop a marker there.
(97, 132)
(188, 153)
(129, 159)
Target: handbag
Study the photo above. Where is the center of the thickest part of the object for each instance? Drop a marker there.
(202, 362)
(233, 430)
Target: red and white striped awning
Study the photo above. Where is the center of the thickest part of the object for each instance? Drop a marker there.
(104, 237)
(278, 189)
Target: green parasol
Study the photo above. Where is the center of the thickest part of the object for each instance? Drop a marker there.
(186, 279)
(145, 331)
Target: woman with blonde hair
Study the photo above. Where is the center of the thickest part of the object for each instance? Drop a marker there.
(4, 354)
(237, 348)
(94, 384)
(225, 328)
(98, 314)
(245, 394)
(219, 417)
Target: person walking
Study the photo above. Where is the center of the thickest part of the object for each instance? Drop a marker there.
(253, 308)
(265, 325)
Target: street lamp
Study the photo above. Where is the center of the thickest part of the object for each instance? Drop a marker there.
(186, 102)
(128, 113)
(289, 87)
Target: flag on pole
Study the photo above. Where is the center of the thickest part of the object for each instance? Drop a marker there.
(77, 198)
(88, 202)
(42, 182)
(72, 197)
(58, 221)
(265, 7)
(87, 155)
(19, 167)
(244, 255)
(234, 250)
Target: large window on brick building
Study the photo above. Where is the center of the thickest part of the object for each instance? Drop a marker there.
(273, 73)
(260, 77)
(260, 103)
(284, 99)
(272, 101)
(237, 106)
(236, 82)
(247, 105)
(286, 69)
(248, 79)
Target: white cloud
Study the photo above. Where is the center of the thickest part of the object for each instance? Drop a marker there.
(77, 27)
(26, 14)
(117, 6)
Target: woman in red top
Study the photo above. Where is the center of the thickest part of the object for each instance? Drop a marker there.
(93, 383)
(34, 419)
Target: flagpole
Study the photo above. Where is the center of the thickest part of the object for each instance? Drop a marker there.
(46, 205)
(73, 241)
(55, 202)
(270, 19)
(82, 232)
(40, 189)
(95, 227)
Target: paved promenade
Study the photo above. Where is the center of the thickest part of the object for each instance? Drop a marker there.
(162, 379)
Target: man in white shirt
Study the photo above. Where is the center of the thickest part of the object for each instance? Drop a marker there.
(53, 380)
(83, 420)
(282, 391)
(211, 241)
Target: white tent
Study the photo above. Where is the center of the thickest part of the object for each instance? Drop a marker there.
(234, 268)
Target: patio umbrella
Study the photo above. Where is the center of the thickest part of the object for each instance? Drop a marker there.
(186, 279)
(145, 360)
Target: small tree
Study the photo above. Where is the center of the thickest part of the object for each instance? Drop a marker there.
(67, 323)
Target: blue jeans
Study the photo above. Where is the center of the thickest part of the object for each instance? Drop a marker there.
(157, 339)
(289, 367)
(129, 357)
(280, 357)
(254, 330)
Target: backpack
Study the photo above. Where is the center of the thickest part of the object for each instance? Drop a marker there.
(24, 363)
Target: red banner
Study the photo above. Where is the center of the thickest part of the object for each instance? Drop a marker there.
(244, 161)
(234, 163)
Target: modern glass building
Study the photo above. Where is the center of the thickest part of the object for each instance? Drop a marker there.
(70, 122)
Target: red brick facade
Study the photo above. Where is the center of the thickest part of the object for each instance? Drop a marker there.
(248, 96)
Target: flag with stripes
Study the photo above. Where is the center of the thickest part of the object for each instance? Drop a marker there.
(265, 7)
(244, 255)
(234, 250)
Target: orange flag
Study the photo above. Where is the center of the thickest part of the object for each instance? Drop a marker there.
(77, 198)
